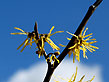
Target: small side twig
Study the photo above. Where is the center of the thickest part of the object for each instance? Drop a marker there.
(36, 31)
(38, 44)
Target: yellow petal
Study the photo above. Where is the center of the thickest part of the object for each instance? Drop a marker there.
(74, 54)
(73, 46)
(52, 44)
(22, 43)
(89, 48)
(93, 46)
(70, 80)
(92, 42)
(84, 51)
(72, 34)
(50, 31)
(56, 32)
(88, 38)
(92, 39)
(30, 41)
(75, 74)
(18, 33)
(77, 52)
(68, 39)
(85, 32)
(81, 32)
(92, 78)
(25, 45)
(62, 45)
(18, 29)
(70, 52)
(69, 33)
(87, 35)
(42, 43)
(39, 55)
(26, 42)
(82, 78)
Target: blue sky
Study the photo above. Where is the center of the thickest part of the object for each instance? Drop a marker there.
(65, 15)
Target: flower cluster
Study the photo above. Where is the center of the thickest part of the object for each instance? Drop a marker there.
(31, 38)
(28, 40)
(73, 78)
(52, 57)
(83, 42)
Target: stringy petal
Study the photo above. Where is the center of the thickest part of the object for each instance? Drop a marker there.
(18, 29)
(70, 52)
(25, 45)
(22, 43)
(87, 39)
(20, 33)
(82, 44)
(50, 31)
(75, 74)
(85, 31)
(62, 45)
(68, 39)
(74, 54)
(73, 46)
(52, 44)
(82, 78)
(56, 32)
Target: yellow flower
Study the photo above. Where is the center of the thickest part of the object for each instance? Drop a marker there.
(73, 78)
(53, 57)
(83, 42)
(40, 42)
(46, 38)
(29, 38)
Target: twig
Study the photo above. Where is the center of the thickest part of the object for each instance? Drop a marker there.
(36, 31)
(38, 44)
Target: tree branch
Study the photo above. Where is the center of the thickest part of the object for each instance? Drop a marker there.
(78, 31)
(71, 42)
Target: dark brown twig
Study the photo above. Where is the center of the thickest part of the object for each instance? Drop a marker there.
(46, 57)
(71, 43)
(36, 31)
(38, 44)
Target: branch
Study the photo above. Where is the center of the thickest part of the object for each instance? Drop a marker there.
(38, 44)
(78, 31)
(48, 60)
(71, 43)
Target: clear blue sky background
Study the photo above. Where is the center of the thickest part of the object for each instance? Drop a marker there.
(64, 15)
